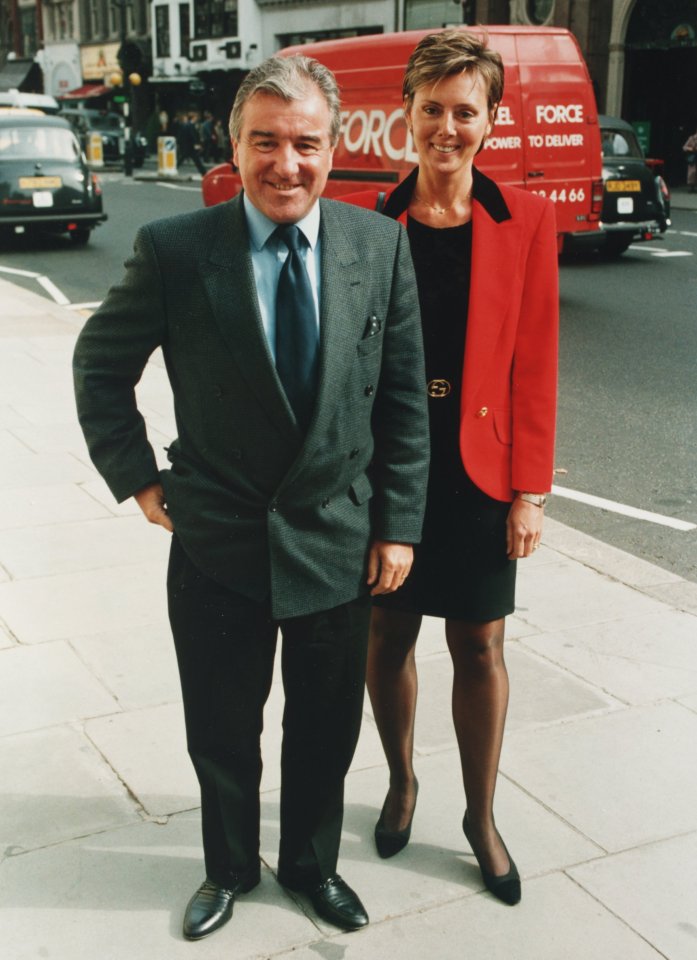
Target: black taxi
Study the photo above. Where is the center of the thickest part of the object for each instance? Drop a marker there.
(45, 184)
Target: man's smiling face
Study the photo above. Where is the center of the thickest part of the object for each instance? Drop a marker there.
(284, 153)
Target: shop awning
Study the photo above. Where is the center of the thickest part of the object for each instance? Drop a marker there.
(14, 73)
(88, 90)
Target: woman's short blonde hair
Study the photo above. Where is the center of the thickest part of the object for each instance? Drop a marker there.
(452, 51)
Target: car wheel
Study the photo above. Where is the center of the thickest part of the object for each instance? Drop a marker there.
(80, 236)
(616, 244)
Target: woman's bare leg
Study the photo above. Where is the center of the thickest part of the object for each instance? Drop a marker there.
(392, 685)
(479, 702)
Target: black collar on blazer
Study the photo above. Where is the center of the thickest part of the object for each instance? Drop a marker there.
(484, 191)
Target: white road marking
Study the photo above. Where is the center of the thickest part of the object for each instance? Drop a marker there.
(18, 273)
(622, 508)
(176, 186)
(50, 288)
(660, 251)
(686, 233)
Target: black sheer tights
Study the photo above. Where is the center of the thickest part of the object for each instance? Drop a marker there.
(479, 704)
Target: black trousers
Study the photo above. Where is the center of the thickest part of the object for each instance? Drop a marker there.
(225, 645)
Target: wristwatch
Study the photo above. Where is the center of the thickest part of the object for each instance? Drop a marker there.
(539, 499)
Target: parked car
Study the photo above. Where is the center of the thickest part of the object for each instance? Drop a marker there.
(45, 184)
(35, 101)
(636, 201)
(112, 128)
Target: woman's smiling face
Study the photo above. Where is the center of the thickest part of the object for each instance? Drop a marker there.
(449, 120)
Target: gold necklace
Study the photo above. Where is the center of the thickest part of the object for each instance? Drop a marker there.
(435, 207)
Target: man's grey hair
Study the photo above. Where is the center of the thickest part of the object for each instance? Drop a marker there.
(289, 79)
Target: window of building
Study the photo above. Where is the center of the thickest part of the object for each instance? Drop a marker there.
(215, 18)
(184, 29)
(538, 11)
(294, 39)
(162, 44)
(424, 14)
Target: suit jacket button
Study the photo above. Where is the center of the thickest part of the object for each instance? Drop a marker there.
(354, 453)
(273, 506)
(325, 503)
(217, 391)
(483, 412)
(369, 390)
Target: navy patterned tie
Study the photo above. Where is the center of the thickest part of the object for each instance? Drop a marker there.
(297, 340)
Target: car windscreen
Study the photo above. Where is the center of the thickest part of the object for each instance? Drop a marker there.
(37, 143)
(620, 143)
(109, 122)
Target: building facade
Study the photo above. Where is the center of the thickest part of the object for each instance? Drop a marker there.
(642, 54)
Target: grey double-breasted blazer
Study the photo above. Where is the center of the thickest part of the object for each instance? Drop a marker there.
(258, 506)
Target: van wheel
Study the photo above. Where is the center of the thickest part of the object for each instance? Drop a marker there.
(80, 237)
(615, 245)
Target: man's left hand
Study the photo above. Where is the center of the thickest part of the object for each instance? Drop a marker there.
(388, 566)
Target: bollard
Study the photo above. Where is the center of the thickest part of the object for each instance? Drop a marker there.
(167, 156)
(95, 151)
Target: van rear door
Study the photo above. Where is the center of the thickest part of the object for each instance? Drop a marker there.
(562, 138)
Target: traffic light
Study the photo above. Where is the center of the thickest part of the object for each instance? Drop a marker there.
(130, 57)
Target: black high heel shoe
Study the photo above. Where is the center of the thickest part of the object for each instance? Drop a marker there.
(506, 886)
(390, 842)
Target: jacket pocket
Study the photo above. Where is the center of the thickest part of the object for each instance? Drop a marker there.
(361, 490)
(503, 426)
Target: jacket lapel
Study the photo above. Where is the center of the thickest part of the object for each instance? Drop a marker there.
(343, 315)
(495, 256)
(228, 278)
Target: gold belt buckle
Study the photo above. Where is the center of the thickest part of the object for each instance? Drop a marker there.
(439, 388)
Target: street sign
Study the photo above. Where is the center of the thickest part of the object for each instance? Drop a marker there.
(642, 128)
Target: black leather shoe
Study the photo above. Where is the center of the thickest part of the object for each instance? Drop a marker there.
(332, 899)
(389, 842)
(211, 906)
(505, 886)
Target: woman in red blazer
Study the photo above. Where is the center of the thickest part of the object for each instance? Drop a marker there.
(486, 265)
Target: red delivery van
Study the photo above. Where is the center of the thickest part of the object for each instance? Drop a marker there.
(546, 137)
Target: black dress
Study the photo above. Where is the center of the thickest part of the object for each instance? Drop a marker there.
(460, 568)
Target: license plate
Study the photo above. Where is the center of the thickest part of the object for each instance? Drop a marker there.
(42, 198)
(623, 186)
(39, 183)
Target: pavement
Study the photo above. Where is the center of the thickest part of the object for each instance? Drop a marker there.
(99, 807)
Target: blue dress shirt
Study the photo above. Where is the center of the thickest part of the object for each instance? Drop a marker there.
(268, 257)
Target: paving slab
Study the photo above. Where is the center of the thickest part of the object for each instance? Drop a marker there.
(51, 608)
(438, 865)
(45, 685)
(121, 896)
(681, 594)
(637, 659)
(40, 551)
(147, 749)
(42, 469)
(137, 665)
(555, 921)
(37, 506)
(566, 594)
(540, 693)
(653, 890)
(60, 789)
(603, 557)
(621, 779)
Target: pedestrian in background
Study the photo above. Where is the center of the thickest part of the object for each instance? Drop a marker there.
(486, 267)
(690, 151)
(189, 142)
(290, 331)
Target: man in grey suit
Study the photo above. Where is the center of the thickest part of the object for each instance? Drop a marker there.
(290, 331)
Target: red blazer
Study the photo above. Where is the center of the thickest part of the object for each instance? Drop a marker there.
(509, 376)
